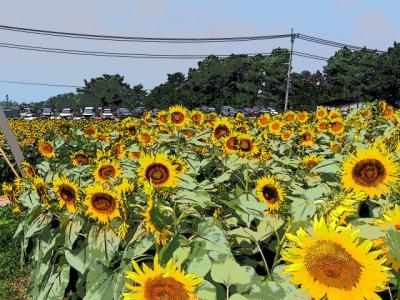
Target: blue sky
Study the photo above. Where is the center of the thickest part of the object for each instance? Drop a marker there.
(359, 22)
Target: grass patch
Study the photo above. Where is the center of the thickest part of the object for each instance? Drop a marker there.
(13, 277)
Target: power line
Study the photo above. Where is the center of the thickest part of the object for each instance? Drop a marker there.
(41, 84)
(140, 38)
(316, 40)
(142, 55)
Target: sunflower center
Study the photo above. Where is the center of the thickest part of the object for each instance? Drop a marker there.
(307, 136)
(157, 173)
(132, 130)
(311, 163)
(177, 117)
(67, 193)
(263, 121)
(103, 202)
(47, 148)
(161, 288)
(196, 118)
(275, 126)
(231, 143)
(337, 126)
(369, 172)
(397, 226)
(163, 118)
(90, 130)
(221, 131)
(245, 145)
(270, 193)
(145, 137)
(330, 264)
(107, 171)
(81, 159)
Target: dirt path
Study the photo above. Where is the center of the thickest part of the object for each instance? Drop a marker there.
(4, 201)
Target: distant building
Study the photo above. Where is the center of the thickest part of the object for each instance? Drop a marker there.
(344, 105)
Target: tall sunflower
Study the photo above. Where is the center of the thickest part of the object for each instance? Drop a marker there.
(47, 149)
(321, 113)
(79, 159)
(39, 185)
(307, 137)
(197, 117)
(270, 192)
(178, 116)
(332, 263)
(222, 128)
(337, 126)
(370, 170)
(263, 120)
(275, 126)
(66, 192)
(106, 169)
(102, 203)
(158, 169)
(231, 143)
(246, 145)
(169, 282)
(311, 160)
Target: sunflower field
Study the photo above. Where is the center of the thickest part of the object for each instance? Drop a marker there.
(188, 205)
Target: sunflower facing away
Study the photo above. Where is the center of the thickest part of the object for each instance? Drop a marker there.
(66, 192)
(102, 204)
(370, 170)
(160, 283)
(270, 192)
(333, 263)
(158, 169)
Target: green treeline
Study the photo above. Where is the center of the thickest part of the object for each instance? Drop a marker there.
(243, 81)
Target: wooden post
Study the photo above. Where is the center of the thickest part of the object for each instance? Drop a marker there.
(12, 142)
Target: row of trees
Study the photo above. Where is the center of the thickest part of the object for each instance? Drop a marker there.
(242, 81)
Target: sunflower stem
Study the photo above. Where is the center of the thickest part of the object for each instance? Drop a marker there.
(263, 258)
(227, 292)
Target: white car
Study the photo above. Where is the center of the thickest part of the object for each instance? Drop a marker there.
(107, 114)
(88, 112)
(66, 113)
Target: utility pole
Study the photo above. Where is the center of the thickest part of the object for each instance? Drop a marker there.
(292, 37)
(6, 101)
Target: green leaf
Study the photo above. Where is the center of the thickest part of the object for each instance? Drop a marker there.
(198, 261)
(72, 230)
(302, 209)
(102, 244)
(393, 243)
(230, 272)
(38, 224)
(238, 297)
(327, 166)
(77, 258)
(56, 285)
(205, 290)
(99, 283)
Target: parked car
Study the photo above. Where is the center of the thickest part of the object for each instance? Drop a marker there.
(88, 112)
(122, 112)
(25, 112)
(154, 112)
(138, 112)
(208, 109)
(47, 112)
(250, 112)
(228, 111)
(107, 114)
(66, 113)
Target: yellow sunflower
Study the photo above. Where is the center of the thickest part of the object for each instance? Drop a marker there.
(179, 163)
(47, 149)
(335, 147)
(246, 145)
(290, 116)
(307, 137)
(370, 170)
(334, 114)
(336, 126)
(240, 117)
(162, 117)
(222, 128)
(197, 117)
(102, 203)
(90, 130)
(275, 126)
(286, 135)
(147, 137)
(160, 283)
(263, 120)
(79, 159)
(119, 151)
(332, 263)
(130, 127)
(106, 169)
(321, 112)
(270, 192)
(178, 116)
(311, 160)
(39, 185)
(231, 144)
(303, 117)
(322, 126)
(28, 169)
(158, 169)
(66, 192)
